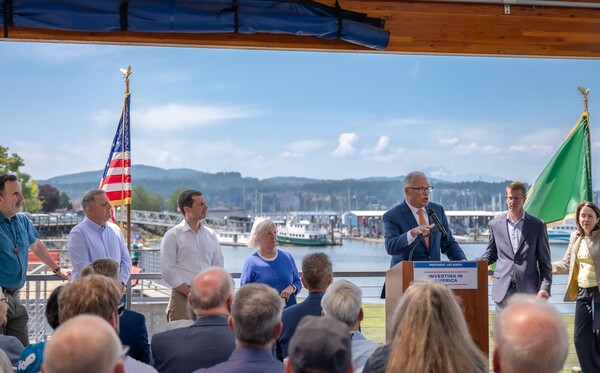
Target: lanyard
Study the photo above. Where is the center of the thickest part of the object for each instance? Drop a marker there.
(12, 235)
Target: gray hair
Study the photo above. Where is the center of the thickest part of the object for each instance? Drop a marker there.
(89, 197)
(256, 313)
(215, 293)
(258, 227)
(408, 179)
(530, 336)
(342, 300)
(316, 269)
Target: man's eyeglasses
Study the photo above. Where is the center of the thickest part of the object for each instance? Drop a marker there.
(4, 300)
(422, 189)
(120, 308)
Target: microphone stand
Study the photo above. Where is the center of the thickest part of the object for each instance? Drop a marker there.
(420, 238)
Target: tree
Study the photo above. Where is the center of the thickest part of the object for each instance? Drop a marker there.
(65, 201)
(10, 163)
(145, 200)
(50, 197)
(171, 204)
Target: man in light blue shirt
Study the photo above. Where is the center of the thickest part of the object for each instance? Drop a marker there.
(96, 237)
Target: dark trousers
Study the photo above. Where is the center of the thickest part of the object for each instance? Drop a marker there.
(16, 316)
(585, 337)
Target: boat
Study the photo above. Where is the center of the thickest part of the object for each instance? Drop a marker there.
(232, 238)
(300, 232)
(562, 233)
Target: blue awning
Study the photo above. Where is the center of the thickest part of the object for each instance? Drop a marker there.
(292, 17)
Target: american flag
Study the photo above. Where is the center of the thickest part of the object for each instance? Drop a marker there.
(116, 180)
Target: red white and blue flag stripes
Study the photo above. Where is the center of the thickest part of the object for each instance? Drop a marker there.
(116, 180)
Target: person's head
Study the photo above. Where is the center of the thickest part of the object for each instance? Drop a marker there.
(587, 218)
(343, 301)
(211, 292)
(516, 195)
(317, 272)
(192, 204)
(11, 195)
(256, 316)
(430, 334)
(96, 206)
(52, 307)
(85, 343)
(93, 294)
(105, 267)
(320, 344)
(529, 336)
(263, 234)
(417, 189)
(3, 308)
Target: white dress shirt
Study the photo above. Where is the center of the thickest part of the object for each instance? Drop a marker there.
(185, 253)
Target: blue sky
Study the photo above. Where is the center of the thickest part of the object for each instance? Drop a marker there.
(274, 113)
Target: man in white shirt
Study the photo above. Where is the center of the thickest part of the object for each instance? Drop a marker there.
(186, 250)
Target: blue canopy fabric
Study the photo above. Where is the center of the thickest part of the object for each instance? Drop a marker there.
(292, 17)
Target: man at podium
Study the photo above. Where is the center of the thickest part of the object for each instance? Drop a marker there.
(418, 229)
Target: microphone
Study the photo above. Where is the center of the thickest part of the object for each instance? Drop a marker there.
(416, 242)
(437, 222)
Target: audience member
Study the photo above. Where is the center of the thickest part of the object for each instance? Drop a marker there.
(96, 237)
(186, 250)
(317, 275)
(270, 265)
(343, 301)
(320, 344)
(84, 343)
(529, 336)
(32, 356)
(96, 295)
(256, 322)
(9, 344)
(429, 334)
(132, 325)
(5, 365)
(178, 350)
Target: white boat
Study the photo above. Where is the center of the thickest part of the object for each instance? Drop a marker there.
(231, 238)
(300, 232)
(562, 233)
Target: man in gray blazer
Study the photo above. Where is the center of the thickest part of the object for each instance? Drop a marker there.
(208, 341)
(519, 246)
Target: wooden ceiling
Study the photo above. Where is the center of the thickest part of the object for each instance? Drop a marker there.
(416, 27)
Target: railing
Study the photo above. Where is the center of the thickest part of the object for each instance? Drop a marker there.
(150, 295)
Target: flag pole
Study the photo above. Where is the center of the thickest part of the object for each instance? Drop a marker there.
(126, 74)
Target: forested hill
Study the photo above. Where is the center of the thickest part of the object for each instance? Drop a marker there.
(289, 193)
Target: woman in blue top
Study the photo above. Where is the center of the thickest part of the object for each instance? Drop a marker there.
(271, 266)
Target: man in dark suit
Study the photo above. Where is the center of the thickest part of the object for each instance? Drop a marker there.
(256, 322)
(519, 246)
(208, 341)
(408, 228)
(317, 275)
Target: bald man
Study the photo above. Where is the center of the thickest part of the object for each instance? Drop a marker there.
(529, 336)
(84, 343)
(209, 340)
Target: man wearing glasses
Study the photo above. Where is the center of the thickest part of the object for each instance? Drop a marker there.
(519, 247)
(409, 232)
(17, 237)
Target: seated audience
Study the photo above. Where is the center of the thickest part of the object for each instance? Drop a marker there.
(256, 322)
(320, 344)
(97, 295)
(429, 334)
(12, 346)
(529, 336)
(5, 365)
(317, 275)
(132, 325)
(84, 343)
(211, 296)
(32, 356)
(343, 301)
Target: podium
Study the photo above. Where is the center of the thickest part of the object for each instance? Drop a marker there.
(468, 280)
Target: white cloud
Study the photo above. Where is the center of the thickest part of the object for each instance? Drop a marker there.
(382, 144)
(346, 145)
(538, 149)
(450, 141)
(466, 149)
(299, 149)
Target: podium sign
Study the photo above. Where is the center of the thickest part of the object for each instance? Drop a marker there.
(468, 280)
(455, 275)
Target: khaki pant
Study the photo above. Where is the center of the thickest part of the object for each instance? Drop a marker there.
(16, 324)
(178, 307)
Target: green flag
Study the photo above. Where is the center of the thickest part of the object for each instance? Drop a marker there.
(566, 180)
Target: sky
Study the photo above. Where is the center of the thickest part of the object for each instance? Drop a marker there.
(305, 114)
